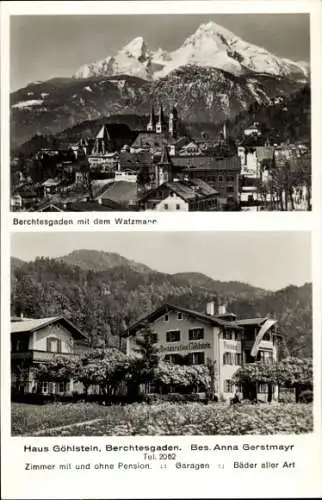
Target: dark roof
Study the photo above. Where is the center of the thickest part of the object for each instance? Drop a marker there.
(135, 160)
(150, 140)
(207, 163)
(29, 325)
(213, 320)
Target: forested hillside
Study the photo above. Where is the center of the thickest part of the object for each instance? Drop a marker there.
(103, 301)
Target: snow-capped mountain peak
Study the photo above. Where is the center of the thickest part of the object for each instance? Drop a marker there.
(211, 45)
(137, 48)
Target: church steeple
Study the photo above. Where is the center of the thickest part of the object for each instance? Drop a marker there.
(164, 169)
(152, 121)
(102, 142)
(161, 126)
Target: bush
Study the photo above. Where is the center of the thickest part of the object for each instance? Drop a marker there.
(174, 397)
(306, 396)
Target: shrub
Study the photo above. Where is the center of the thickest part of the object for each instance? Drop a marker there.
(306, 396)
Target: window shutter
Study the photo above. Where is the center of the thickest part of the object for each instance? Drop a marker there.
(48, 345)
(59, 345)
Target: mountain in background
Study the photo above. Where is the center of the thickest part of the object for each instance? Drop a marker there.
(288, 120)
(210, 46)
(94, 260)
(109, 292)
(213, 76)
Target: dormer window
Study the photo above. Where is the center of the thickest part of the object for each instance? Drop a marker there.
(166, 318)
(180, 316)
(267, 337)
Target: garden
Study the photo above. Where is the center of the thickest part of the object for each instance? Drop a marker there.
(123, 404)
(166, 418)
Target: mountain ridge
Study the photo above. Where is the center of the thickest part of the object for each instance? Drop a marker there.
(210, 45)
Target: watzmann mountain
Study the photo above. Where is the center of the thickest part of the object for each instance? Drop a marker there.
(211, 46)
(212, 76)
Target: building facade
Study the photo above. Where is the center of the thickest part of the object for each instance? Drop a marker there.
(39, 341)
(214, 338)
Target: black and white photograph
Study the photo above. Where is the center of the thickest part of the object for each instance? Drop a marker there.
(170, 113)
(151, 334)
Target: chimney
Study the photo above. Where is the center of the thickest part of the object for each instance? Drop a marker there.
(221, 309)
(210, 308)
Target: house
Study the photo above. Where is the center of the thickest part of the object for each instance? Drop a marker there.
(215, 338)
(222, 174)
(23, 198)
(185, 195)
(40, 340)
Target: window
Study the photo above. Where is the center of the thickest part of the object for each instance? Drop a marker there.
(220, 179)
(53, 344)
(166, 206)
(173, 336)
(166, 318)
(265, 356)
(237, 358)
(230, 189)
(175, 359)
(63, 387)
(262, 388)
(180, 316)
(44, 387)
(228, 358)
(197, 358)
(177, 206)
(230, 178)
(227, 335)
(267, 337)
(196, 333)
(228, 386)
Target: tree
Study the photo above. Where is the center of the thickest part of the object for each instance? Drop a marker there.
(59, 369)
(144, 362)
(182, 378)
(295, 373)
(106, 368)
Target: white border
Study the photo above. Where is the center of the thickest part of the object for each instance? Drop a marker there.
(303, 482)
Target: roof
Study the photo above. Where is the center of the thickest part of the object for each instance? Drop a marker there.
(103, 133)
(120, 192)
(207, 162)
(135, 160)
(150, 140)
(52, 182)
(188, 190)
(251, 321)
(29, 325)
(160, 311)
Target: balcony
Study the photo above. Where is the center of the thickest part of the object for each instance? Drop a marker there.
(41, 356)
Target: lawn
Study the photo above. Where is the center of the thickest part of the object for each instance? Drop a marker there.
(28, 418)
(163, 419)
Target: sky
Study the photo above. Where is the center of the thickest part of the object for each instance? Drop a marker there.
(266, 259)
(43, 47)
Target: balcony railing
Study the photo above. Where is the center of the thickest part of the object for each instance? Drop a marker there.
(41, 356)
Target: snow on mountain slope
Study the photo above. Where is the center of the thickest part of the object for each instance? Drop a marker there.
(134, 59)
(210, 46)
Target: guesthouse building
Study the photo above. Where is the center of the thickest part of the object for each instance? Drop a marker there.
(215, 338)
